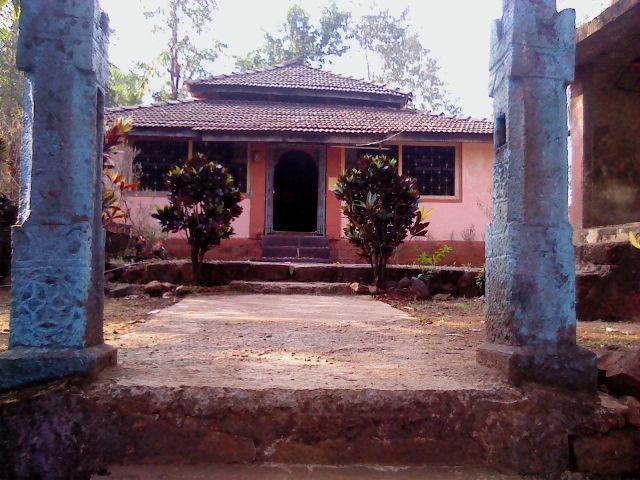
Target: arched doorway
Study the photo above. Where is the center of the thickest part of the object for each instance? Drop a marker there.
(295, 193)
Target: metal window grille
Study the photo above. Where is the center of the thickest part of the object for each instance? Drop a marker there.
(155, 160)
(434, 168)
(354, 155)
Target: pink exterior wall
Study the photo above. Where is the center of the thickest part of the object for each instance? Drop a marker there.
(141, 205)
(466, 217)
(459, 222)
(456, 220)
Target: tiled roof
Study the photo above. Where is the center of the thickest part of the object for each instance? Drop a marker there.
(296, 75)
(261, 116)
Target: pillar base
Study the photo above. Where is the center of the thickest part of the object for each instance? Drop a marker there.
(571, 368)
(22, 366)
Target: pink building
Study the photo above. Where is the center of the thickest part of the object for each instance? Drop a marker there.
(287, 133)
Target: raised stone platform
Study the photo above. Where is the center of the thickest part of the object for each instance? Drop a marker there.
(299, 379)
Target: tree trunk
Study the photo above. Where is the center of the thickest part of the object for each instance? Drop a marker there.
(196, 265)
(379, 264)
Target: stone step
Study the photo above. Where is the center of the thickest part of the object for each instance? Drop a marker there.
(291, 288)
(296, 260)
(298, 472)
(125, 424)
(295, 240)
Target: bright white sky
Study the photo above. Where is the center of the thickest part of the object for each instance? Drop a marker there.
(456, 31)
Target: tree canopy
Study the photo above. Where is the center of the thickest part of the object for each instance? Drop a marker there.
(395, 54)
(393, 51)
(125, 88)
(182, 59)
(11, 91)
(300, 39)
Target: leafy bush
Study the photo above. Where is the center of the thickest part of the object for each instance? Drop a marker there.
(429, 261)
(382, 208)
(114, 183)
(635, 241)
(203, 201)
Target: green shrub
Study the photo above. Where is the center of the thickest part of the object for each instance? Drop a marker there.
(382, 208)
(429, 261)
(203, 201)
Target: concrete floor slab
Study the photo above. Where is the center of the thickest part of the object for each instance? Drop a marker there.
(297, 342)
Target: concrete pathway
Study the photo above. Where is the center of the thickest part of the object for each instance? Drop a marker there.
(297, 342)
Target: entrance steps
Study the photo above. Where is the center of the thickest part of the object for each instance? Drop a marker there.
(122, 425)
(296, 248)
(291, 288)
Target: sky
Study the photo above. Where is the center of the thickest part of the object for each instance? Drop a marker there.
(456, 31)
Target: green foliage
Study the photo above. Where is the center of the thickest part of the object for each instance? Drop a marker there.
(125, 88)
(395, 55)
(382, 208)
(429, 261)
(182, 59)
(114, 183)
(299, 39)
(203, 202)
(11, 92)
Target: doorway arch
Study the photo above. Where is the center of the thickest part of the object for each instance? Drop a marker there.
(295, 193)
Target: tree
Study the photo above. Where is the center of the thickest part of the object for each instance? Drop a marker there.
(203, 201)
(182, 59)
(382, 208)
(11, 97)
(394, 54)
(125, 88)
(299, 39)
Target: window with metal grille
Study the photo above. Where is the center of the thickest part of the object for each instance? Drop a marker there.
(354, 155)
(434, 168)
(231, 155)
(155, 160)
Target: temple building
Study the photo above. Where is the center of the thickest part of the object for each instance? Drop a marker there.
(286, 133)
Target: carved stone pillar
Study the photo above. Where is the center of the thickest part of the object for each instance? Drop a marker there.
(531, 320)
(58, 245)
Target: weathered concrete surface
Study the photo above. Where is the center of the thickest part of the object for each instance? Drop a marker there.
(311, 472)
(530, 283)
(58, 245)
(297, 341)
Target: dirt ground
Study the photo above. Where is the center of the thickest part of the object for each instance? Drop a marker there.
(460, 316)
(467, 316)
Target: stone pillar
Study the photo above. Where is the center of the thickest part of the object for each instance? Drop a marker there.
(531, 320)
(58, 245)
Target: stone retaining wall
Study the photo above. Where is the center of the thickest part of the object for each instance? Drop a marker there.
(458, 281)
